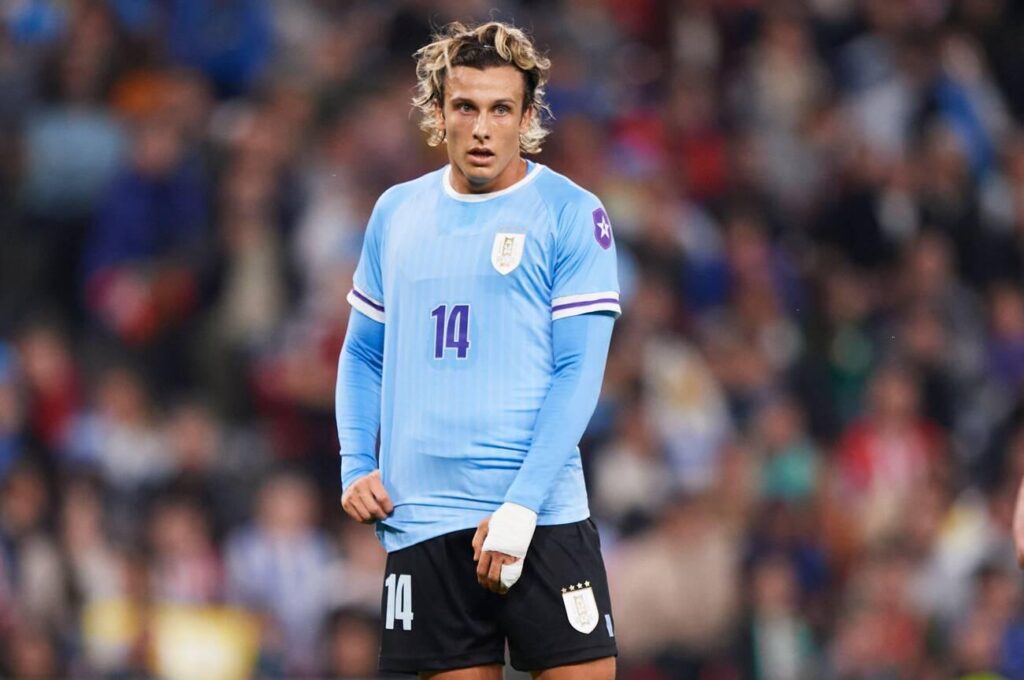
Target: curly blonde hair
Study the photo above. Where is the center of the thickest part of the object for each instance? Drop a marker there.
(491, 44)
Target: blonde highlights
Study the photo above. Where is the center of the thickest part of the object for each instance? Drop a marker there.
(491, 44)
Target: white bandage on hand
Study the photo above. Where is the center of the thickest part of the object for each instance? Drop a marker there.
(510, 532)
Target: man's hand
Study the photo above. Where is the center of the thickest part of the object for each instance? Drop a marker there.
(489, 563)
(366, 500)
(500, 545)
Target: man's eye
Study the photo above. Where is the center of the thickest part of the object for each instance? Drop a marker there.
(465, 108)
(501, 108)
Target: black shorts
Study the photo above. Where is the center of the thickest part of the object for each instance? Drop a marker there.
(437, 617)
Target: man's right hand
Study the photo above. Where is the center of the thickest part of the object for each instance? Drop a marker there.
(366, 500)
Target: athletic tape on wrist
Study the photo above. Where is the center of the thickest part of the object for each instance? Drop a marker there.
(510, 532)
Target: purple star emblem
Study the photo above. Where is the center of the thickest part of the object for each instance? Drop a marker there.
(602, 228)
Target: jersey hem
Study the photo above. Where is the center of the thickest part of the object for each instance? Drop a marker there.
(395, 544)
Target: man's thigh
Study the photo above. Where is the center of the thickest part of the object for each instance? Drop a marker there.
(598, 669)
(476, 673)
(435, 615)
(559, 613)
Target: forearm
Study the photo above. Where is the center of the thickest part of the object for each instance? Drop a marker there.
(357, 396)
(580, 347)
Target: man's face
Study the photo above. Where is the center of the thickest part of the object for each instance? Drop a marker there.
(483, 116)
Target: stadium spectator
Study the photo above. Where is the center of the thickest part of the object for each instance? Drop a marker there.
(280, 565)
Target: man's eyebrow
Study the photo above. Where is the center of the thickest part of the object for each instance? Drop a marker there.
(460, 99)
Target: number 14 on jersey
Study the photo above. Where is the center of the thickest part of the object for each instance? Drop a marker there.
(451, 330)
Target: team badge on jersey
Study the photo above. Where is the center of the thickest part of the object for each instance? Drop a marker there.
(602, 228)
(580, 607)
(507, 252)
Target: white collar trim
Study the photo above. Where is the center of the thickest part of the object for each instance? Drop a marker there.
(446, 181)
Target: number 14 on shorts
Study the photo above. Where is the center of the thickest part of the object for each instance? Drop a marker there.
(399, 605)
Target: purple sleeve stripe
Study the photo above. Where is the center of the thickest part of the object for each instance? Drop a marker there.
(571, 305)
(379, 308)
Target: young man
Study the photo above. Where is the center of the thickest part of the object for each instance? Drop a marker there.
(483, 308)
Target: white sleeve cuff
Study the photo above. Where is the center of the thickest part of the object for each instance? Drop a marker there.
(366, 304)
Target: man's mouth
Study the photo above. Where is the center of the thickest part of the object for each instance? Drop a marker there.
(480, 154)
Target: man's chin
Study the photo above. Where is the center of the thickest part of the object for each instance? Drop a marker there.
(479, 179)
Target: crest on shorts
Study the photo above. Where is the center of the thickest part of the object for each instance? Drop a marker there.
(580, 606)
(507, 252)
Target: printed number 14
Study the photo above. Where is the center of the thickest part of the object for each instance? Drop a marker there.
(399, 605)
(451, 330)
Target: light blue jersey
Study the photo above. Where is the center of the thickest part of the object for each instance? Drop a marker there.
(467, 287)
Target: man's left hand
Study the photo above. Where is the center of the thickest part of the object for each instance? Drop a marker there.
(489, 563)
(500, 545)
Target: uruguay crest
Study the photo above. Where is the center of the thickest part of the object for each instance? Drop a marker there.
(580, 607)
(507, 252)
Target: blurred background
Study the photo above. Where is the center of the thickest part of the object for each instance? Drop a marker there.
(804, 460)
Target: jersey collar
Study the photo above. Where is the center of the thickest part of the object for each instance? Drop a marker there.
(532, 170)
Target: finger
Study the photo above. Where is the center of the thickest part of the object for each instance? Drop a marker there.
(350, 496)
(346, 504)
(494, 573)
(359, 510)
(501, 587)
(372, 506)
(477, 542)
(380, 494)
(479, 537)
(483, 567)
(365, 493)
(352, 511)
(510, 573)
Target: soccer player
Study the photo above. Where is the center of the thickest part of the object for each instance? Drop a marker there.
(483, 302)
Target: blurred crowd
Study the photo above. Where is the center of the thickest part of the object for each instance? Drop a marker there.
(804, 460)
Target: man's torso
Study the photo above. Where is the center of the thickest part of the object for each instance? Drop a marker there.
(466, 288)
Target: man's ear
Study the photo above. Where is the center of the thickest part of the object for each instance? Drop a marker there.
(439, 119)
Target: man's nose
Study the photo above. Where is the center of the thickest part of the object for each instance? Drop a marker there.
(481, 128)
